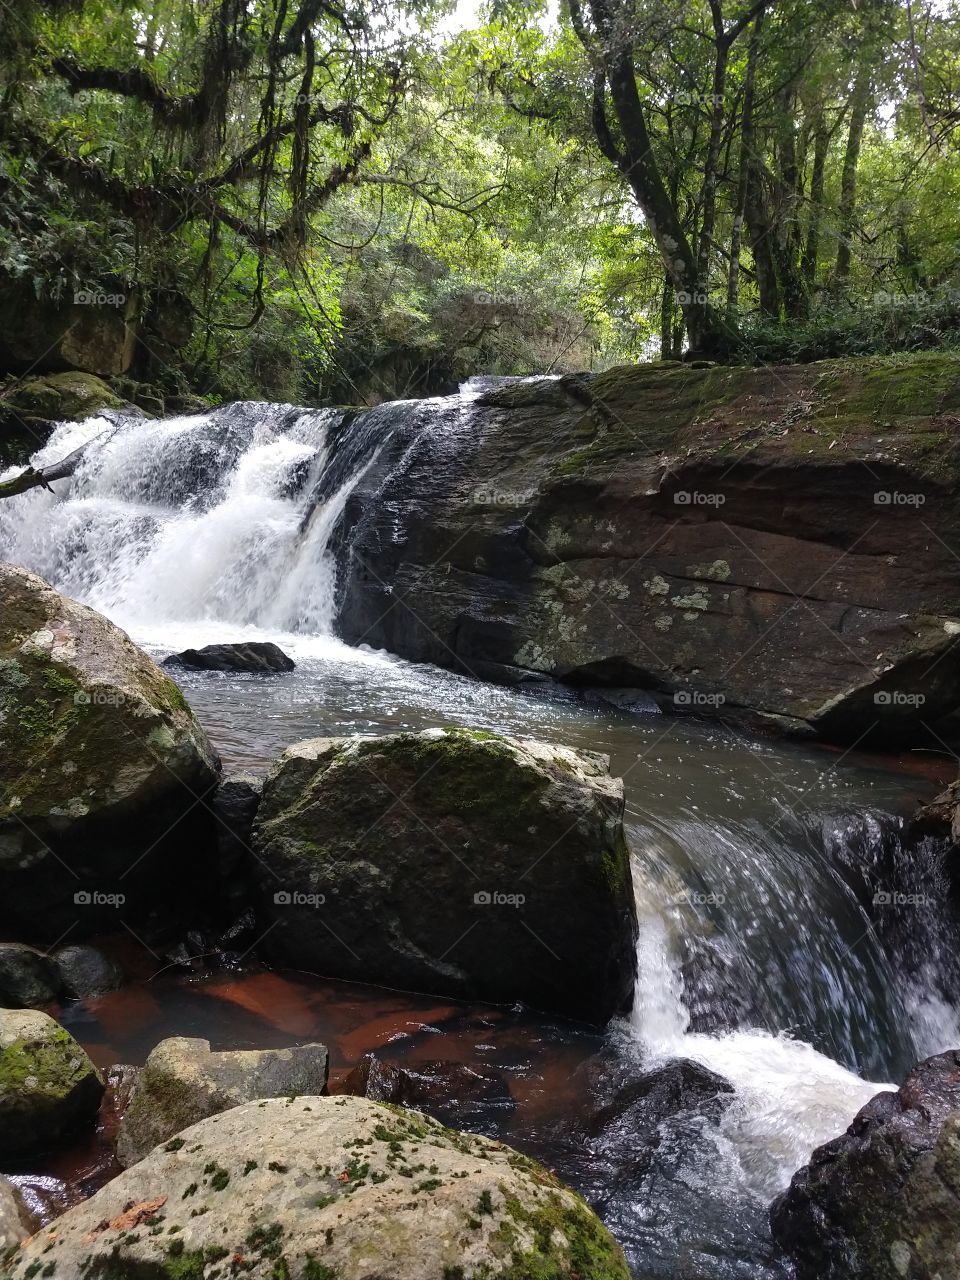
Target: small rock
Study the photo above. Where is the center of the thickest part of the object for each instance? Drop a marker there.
(256, 656)
(329, 1187)
(48, 1085)
(455, 1093)
(182, 1082)
(85, 971)
(28, 978)
(235, 804)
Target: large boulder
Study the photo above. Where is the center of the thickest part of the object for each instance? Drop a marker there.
(48, 1085)
(317, 1188)
(461, 1093)
(258, 657)
(882, 1201)
(29, 979)
(103, 771)
(451, 861)
(30, 407)
(777, 544)
(183, 1082)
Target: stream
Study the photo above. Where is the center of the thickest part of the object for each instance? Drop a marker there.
(777, 944)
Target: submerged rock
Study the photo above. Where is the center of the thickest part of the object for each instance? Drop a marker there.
(882, 1201)
(312, 1188)
(451, 1092)
(48, 1085)
(183, 1082)
(455, 862)
(28, 978)
(85, 971)
(257, 656)
(102, 765)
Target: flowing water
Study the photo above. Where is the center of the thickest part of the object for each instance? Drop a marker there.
(773, 947)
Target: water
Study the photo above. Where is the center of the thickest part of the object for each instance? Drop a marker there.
(762, 955)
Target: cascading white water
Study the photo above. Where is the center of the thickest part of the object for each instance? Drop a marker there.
(202, 525)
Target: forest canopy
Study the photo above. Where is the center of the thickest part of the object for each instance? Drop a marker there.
(316, 200)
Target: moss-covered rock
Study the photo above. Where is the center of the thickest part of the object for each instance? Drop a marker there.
(48, 1085)
(103, 770)
(329, 1189)
(453, 861)
(29, 408)
(183, 1082)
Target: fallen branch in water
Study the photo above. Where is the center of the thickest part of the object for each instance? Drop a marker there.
(40, 477)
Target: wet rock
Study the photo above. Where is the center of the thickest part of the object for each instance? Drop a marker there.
(85, 971)
(258, 657)
(28, 978)
(716, 989)
(14, 1226)
(321, 1187)
(653, 527)
(882, 1201)
(182, 1082)
(631, 1107)
(449, 1091)
(235, 804)
(451, 861)
(102, 764)
(48, 1085)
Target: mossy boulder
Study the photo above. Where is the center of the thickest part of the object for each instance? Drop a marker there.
(103, 772)
(183, 1082)
(452, 861)
(29, 408)
(48, 1085)
(329, 1189)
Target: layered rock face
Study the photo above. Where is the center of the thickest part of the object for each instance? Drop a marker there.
(315, 1188)
(882, 1201)
(103, 772)
(451, 861)
(776, 542)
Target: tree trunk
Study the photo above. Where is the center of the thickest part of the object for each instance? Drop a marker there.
(746, 144)
(811, 250)
(859, 105)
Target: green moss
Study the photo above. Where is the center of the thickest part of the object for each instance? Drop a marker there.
(570, 1242)
(53, 1065)
(183, 1264)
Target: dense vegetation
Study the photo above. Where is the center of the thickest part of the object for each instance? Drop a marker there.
(313, 199)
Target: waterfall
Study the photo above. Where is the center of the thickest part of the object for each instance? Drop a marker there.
(222, 519)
